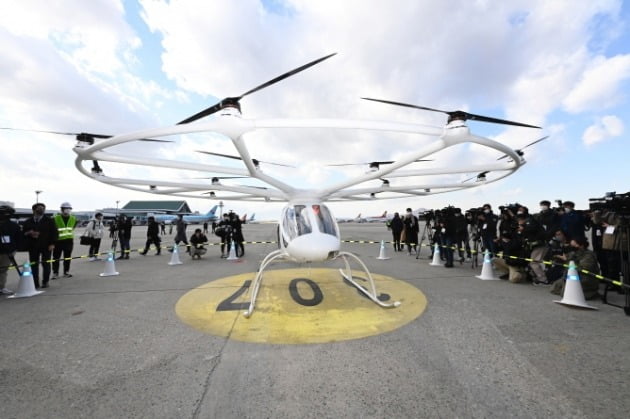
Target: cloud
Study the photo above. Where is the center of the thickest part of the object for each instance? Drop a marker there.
(604, 128)
(599, 85)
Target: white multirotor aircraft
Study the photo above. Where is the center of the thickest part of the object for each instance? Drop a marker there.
(307, 231)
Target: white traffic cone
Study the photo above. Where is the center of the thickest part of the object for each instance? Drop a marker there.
(573, 293)
(110, 265)
(26, 287)
(436, 256)
(382, 254)
(175, 256)
(232, 255)
(487, 271)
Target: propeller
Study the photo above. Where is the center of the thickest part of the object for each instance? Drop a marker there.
(520, 151)
(456, 115)
(373, 164)
(234, 101)
(85, 137)
(480, 177)
(255, 161)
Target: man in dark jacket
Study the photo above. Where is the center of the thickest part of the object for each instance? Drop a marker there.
(411, 229)
(10, 238)
(124, 235)
(41, 234)
(153, 237)
(488, 228)
(396, 226)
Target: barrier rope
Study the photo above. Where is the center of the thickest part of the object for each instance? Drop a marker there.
(454, 248)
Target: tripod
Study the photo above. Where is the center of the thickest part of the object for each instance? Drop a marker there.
(623, 242)
(427, 232)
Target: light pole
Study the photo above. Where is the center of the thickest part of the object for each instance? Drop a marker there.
(37, 196)
(220, 209)
(117, 208)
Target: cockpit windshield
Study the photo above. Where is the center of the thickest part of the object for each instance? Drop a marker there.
(298, 220)
(324, 220)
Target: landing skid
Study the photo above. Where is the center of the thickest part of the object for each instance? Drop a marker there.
(371, 292)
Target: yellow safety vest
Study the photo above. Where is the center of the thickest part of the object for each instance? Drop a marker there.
(66, 231)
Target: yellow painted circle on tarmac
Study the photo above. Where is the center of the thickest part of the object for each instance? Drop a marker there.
(296, 306)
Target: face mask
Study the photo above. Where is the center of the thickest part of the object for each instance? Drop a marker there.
(519, 212)
(567, 210)
(487, 211)
(544, 207)
(65, 211)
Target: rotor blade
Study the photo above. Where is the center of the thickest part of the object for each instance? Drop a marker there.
(408, 105)
(518, 151)
(535, 142)
(83, 134)
(494, 120)
(221, 177)
(456, 114)
(374, 162)
(285, 75)
(239, 158)
(217, 107)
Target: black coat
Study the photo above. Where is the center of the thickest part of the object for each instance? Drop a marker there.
(10, 237)
(47, 229)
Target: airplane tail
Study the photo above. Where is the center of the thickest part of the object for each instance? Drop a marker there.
(252, 217)
(212, 210)
(384, 214)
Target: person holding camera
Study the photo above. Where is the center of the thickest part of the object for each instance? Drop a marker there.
(556, 247)
(487, 221)
(572, 222)
(10, 239)
(586, 260)
(41, 235)
(197, 242)
(224, 231)
(533, 236)
(512, 261)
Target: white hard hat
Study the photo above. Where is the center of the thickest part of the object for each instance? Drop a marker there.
(66, 205)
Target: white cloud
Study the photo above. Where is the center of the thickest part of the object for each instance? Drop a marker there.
(599, 85)
(603, 129)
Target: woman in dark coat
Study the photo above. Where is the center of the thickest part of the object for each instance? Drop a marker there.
(396, 225)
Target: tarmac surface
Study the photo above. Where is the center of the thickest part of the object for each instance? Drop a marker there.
(102, 347)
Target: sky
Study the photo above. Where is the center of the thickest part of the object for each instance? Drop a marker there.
(108, 66)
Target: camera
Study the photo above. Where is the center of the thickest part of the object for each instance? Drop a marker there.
(509, 208)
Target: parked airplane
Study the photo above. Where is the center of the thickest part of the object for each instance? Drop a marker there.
(190, 219)
(378, 218)
(356, 219)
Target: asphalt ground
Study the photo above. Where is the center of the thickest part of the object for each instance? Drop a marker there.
(102, 347)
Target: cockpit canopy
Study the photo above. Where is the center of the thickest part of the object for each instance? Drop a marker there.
(301, 219)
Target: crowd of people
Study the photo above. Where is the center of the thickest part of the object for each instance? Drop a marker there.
(49, 241)
(531, 247)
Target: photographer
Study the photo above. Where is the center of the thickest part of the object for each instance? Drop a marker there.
(10, 239)
(586, 261)
(487, 222)
(533, 236)
(197, 242)
(448, 234)
(462, 240)
(572, 222)
(556, 247)
(224, 231)
(512, 260)
(548, 219)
